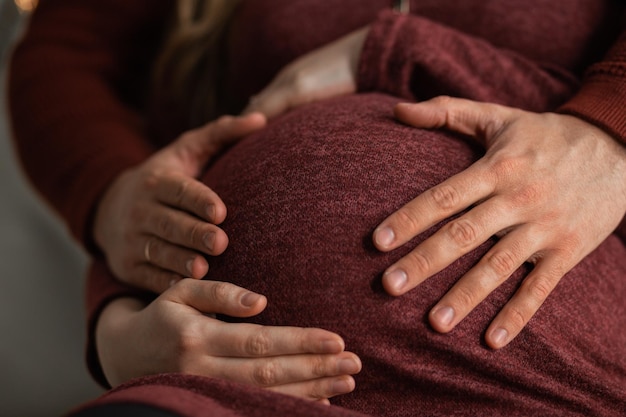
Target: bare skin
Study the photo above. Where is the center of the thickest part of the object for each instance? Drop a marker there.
(160, 203)
(303, 362)
(156, 221)
(552, 186)
(530, 159)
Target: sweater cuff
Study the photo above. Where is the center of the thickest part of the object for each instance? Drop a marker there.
(381, 68)
(600, 102)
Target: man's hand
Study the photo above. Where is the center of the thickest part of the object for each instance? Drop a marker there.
(552, 187)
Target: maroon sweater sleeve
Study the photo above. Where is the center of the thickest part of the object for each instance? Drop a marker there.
(415, 58)
(71, 79)
(602, 98)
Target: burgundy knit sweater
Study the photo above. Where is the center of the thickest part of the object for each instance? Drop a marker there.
(304, 194)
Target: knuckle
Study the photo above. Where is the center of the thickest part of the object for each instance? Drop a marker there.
(220, 291)
(185, 286)
(539, 289)
(163, 281)
(420, 262)
(198, 201)
(302, 82)
(465, 296)
(266, 374)
(181, 191)
(529, 194)
(196, 233)
(516, 317)
(320, 389)
(442, 100)
(445, 197)
(503, 263)
(505, 166)
(407, 219)
(318, 367)
(151, 180)
(187, 136)
(463, 232)
(258, 344)
(302, 338)
(189, 339)
(165, 226)
(225, 121)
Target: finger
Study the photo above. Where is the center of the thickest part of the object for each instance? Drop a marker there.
(438, 203)
(195, 147)
(188, 194)
(254, 341)
(448, 244)
(176, 259)
(153, 278)
(529, 297)
(479, 120)
(319, 389)
(271, 102)
(491, 271)
(281, 370)
(218, 297)
(180, 228)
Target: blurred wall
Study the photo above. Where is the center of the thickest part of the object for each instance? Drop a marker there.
(42, 370)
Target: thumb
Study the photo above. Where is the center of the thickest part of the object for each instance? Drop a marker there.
(196, 147)
(216, 297)
(476, 119)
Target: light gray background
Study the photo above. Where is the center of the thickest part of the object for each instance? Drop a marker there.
(42, 368)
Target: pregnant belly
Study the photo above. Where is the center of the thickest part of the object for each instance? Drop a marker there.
(303, 198)
(304, 195)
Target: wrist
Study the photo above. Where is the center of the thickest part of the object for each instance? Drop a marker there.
(114, 325)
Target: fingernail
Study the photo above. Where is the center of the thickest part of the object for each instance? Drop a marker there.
(444, 315)
(499, 336)
(384, 237)
(342, 386)
(396, 279)
(189, 266)
(209, 240)
(250, 299)
(331, 346)
(348, 366)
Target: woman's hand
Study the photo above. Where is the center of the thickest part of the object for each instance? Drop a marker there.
(155, 221)
(323, 73)
(176, 333)
(553, 187)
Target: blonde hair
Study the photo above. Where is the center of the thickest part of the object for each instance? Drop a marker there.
(188, 70)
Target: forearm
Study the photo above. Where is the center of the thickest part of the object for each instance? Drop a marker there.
(102, 291)
(69, 85)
